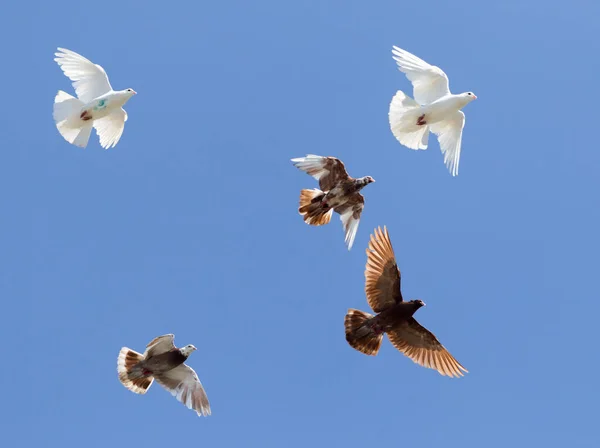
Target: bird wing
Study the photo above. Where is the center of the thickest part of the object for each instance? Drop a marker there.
(420, 345)
(89, 80)
(110, 128)
(382, 276)
(329, 171)
(350, 215)
(183, 383)
(161, 344)
(429, 82)
(449, 134)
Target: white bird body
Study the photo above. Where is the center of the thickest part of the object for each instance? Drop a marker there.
(97, 105)
(436, 109)
(441, 109)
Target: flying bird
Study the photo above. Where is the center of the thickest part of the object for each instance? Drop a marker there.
(364, 331)
(338, 192)
(97, 104)
(163, 362)
(435, 109)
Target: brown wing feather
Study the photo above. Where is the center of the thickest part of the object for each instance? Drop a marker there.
(337, 173)
(382, 276)
(420, 345)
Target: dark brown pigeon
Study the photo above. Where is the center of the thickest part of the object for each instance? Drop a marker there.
(364, 331)
(163, 362)
(339, 192)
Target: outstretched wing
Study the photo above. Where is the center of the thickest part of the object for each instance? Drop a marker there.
(110, 128)
(161, 344)
(350, 216)
(420, 345)
(429, 82)
(382, 276)
(89, 80)
(449, 134)
(183, 383)
(327, 170)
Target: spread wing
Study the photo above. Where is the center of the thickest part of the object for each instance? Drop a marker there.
(327, 170)
(89, 80)
(420, 345)
(110, 128)
(350, 216)
(449, 134)
(429, 82)
(183, 383)
(382, 276)
(161, 344)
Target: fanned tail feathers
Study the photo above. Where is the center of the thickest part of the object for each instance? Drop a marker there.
(66, 115)
(360, 336)
(312, 209)
(404, 114)
(130, 377)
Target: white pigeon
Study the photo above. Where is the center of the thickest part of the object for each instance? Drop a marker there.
(435, 109)
(97, 104)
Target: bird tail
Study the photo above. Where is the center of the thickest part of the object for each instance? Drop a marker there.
(66, 115)
(312, 209)
(130, 373)
(404, 115)
(361, 336)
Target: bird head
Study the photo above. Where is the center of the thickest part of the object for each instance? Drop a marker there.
(369, 179)
(130, 92)
(469, 96)
(187, 350)
(418, 302)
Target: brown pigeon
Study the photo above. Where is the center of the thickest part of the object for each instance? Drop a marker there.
(163, 362)
(339, 192)
(364, 331)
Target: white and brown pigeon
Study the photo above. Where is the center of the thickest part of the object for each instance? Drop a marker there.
(163, 362)
(338, 192)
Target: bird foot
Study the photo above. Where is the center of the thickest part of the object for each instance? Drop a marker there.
(85, 115)
(146, 372)
(421, 120)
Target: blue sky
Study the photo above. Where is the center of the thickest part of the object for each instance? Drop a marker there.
(190, 225)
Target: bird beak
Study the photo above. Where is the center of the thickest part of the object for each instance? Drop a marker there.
(135, 93)
(474, 96)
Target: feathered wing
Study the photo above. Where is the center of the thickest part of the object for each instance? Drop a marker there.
(183, 383)
(110, 128)
(449, 134)
(161, 344)
(421, 346)
(329, 171)
(429, 82)
(350, 216)
(382, 276)
(89, 80)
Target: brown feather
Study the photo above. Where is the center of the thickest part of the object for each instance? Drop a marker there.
(420, 345)
(311, 208)
(127, 361)
(382, 276)
(359, 335)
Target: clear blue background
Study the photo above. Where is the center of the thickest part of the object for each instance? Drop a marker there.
(190, 225)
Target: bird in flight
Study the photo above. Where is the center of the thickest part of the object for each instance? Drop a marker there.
(338, 192)
(435, 109)
(97, 104)
(394, 317)
(163, 362)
